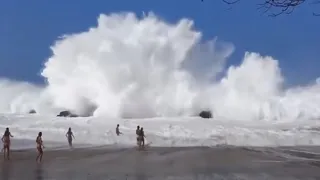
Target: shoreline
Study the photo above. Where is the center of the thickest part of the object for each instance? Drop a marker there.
(65, 146)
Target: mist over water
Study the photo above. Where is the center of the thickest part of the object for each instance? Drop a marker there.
(127, 66)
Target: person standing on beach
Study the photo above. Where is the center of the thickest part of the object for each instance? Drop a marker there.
(141, 137)
(6, 143)
(39, 147)
(117, 130)
(138, 134)
(70, 135)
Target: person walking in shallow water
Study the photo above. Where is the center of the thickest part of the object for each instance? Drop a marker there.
(118, 130)
(6, 143)
(70, 135)
(39, 147)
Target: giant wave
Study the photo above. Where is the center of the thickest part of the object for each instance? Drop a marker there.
(127, 66)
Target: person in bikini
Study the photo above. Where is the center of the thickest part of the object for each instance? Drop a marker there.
(6, 143)
(39, 147)
(70, 136)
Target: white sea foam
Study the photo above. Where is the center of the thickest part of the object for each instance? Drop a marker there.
(170, 132)
(130, 67)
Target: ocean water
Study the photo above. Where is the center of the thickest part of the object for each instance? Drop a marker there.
(160, 132)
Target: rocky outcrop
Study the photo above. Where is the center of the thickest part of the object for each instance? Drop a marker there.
(205, 114)
(66, 114)
(32, 111)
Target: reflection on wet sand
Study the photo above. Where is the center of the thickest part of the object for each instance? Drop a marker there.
(39, 172)
(6, 170)
(162, 163)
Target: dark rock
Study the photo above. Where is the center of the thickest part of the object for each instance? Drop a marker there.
(73, 115)
(205, 114)
(32, 111)
(66, 114)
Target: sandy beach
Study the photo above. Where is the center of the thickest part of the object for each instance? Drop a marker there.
(165, 163)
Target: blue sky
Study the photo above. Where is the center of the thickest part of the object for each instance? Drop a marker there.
(29, 27)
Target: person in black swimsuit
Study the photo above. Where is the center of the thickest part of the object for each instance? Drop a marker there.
(70, 135)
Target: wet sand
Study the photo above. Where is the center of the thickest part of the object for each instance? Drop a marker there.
(165, 163)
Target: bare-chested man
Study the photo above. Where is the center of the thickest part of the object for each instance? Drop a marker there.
(141, 138)
(137, 133)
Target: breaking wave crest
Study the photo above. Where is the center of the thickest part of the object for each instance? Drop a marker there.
(127, 66)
